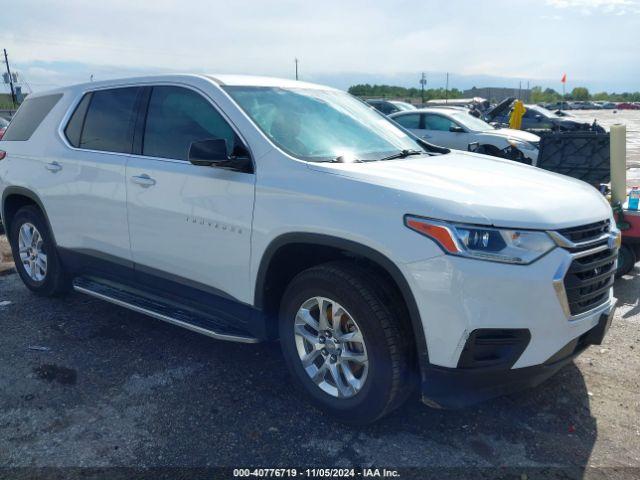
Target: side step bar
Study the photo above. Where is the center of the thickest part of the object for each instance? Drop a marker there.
(154, 307)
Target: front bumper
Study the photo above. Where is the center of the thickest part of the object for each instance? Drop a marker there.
(456, 296)
(460, 387)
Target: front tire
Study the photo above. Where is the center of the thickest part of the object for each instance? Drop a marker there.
(34, 253)
(343, 343)
(626, 260)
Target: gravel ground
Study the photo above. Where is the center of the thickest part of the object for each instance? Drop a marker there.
(87, 384)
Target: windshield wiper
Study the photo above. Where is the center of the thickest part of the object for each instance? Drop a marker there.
(345, 159)
(402, 154)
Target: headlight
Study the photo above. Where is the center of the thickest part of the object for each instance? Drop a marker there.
(484, 243)
(521, 145)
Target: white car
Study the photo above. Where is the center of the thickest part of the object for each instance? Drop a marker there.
(250, 209)
(455, 128)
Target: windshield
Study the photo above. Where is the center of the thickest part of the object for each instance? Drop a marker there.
(542, 111)
(321, 125)
(470, 122)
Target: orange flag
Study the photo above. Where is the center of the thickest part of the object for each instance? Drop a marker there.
(564, 78)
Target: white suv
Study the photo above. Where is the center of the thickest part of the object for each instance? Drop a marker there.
(250, 209)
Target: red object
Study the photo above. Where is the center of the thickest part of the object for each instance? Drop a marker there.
(564, 78)
(572, 428)
(2, 132)
(632, 234)
(628, 106)
(2, 154)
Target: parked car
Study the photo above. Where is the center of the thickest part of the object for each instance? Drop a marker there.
(250, 209)
(538, 118)
(453, 128)
(390, 106)
(629, 106)
(3, 126)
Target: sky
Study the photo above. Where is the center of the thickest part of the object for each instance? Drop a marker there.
(339, 43)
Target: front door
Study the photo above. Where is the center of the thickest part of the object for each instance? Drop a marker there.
(438, 131)
(189, 224)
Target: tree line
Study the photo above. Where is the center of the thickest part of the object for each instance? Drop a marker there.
(538, 95)
(392, 91)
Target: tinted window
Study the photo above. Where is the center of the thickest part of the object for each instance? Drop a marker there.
(409, 121)
(74, 127)
(437, 122)
(108, 125)
(29, 116)
(178, 117)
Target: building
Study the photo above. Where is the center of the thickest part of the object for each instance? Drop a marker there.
(497, 94)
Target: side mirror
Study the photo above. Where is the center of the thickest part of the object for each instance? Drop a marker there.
(473, 146)
(539, 117)
(213, 153)
(207, 153)
(456, 129)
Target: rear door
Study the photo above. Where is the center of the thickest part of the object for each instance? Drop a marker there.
(79, 175)
(189, 225)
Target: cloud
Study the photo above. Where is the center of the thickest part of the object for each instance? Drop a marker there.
(588, 7)
(370, 37)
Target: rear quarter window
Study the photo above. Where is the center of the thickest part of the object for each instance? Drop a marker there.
(29, 117)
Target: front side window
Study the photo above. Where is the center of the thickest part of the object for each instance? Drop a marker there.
(437, 122)
(176, 118)
(321, 125)
(109, 121)
(409, 121)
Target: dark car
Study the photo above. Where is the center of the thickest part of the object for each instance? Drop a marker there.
(538, 118)
(390, 106)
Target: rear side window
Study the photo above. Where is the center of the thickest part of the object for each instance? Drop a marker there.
(74, 127)
(177, 117)
(29, 116)
(109, 121)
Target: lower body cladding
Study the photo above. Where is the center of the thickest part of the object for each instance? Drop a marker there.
(494, 328)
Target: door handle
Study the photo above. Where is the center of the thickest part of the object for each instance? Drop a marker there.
(143, 180)
(53, 167)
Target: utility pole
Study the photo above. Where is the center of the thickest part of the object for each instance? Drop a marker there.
(423, 83)
(296, 60)
(13, 92)
(520, 90)
(446, 90)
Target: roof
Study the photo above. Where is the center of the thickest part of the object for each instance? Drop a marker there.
(442, 110)
(235, 80)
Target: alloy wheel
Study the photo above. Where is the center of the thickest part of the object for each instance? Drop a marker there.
(31, 251)
(331, 347)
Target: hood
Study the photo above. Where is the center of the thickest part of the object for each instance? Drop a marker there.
(517, 134)
(501, 107)
(472, 188)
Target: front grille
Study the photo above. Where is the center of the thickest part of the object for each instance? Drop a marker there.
(586, 233)
(590, 276)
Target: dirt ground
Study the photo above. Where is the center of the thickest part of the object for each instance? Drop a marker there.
(87, 384)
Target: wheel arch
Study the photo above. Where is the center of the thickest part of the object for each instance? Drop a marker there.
(14, 198)
(324, 248)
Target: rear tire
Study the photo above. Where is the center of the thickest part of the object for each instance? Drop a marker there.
(365, 390)
(34, 253)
